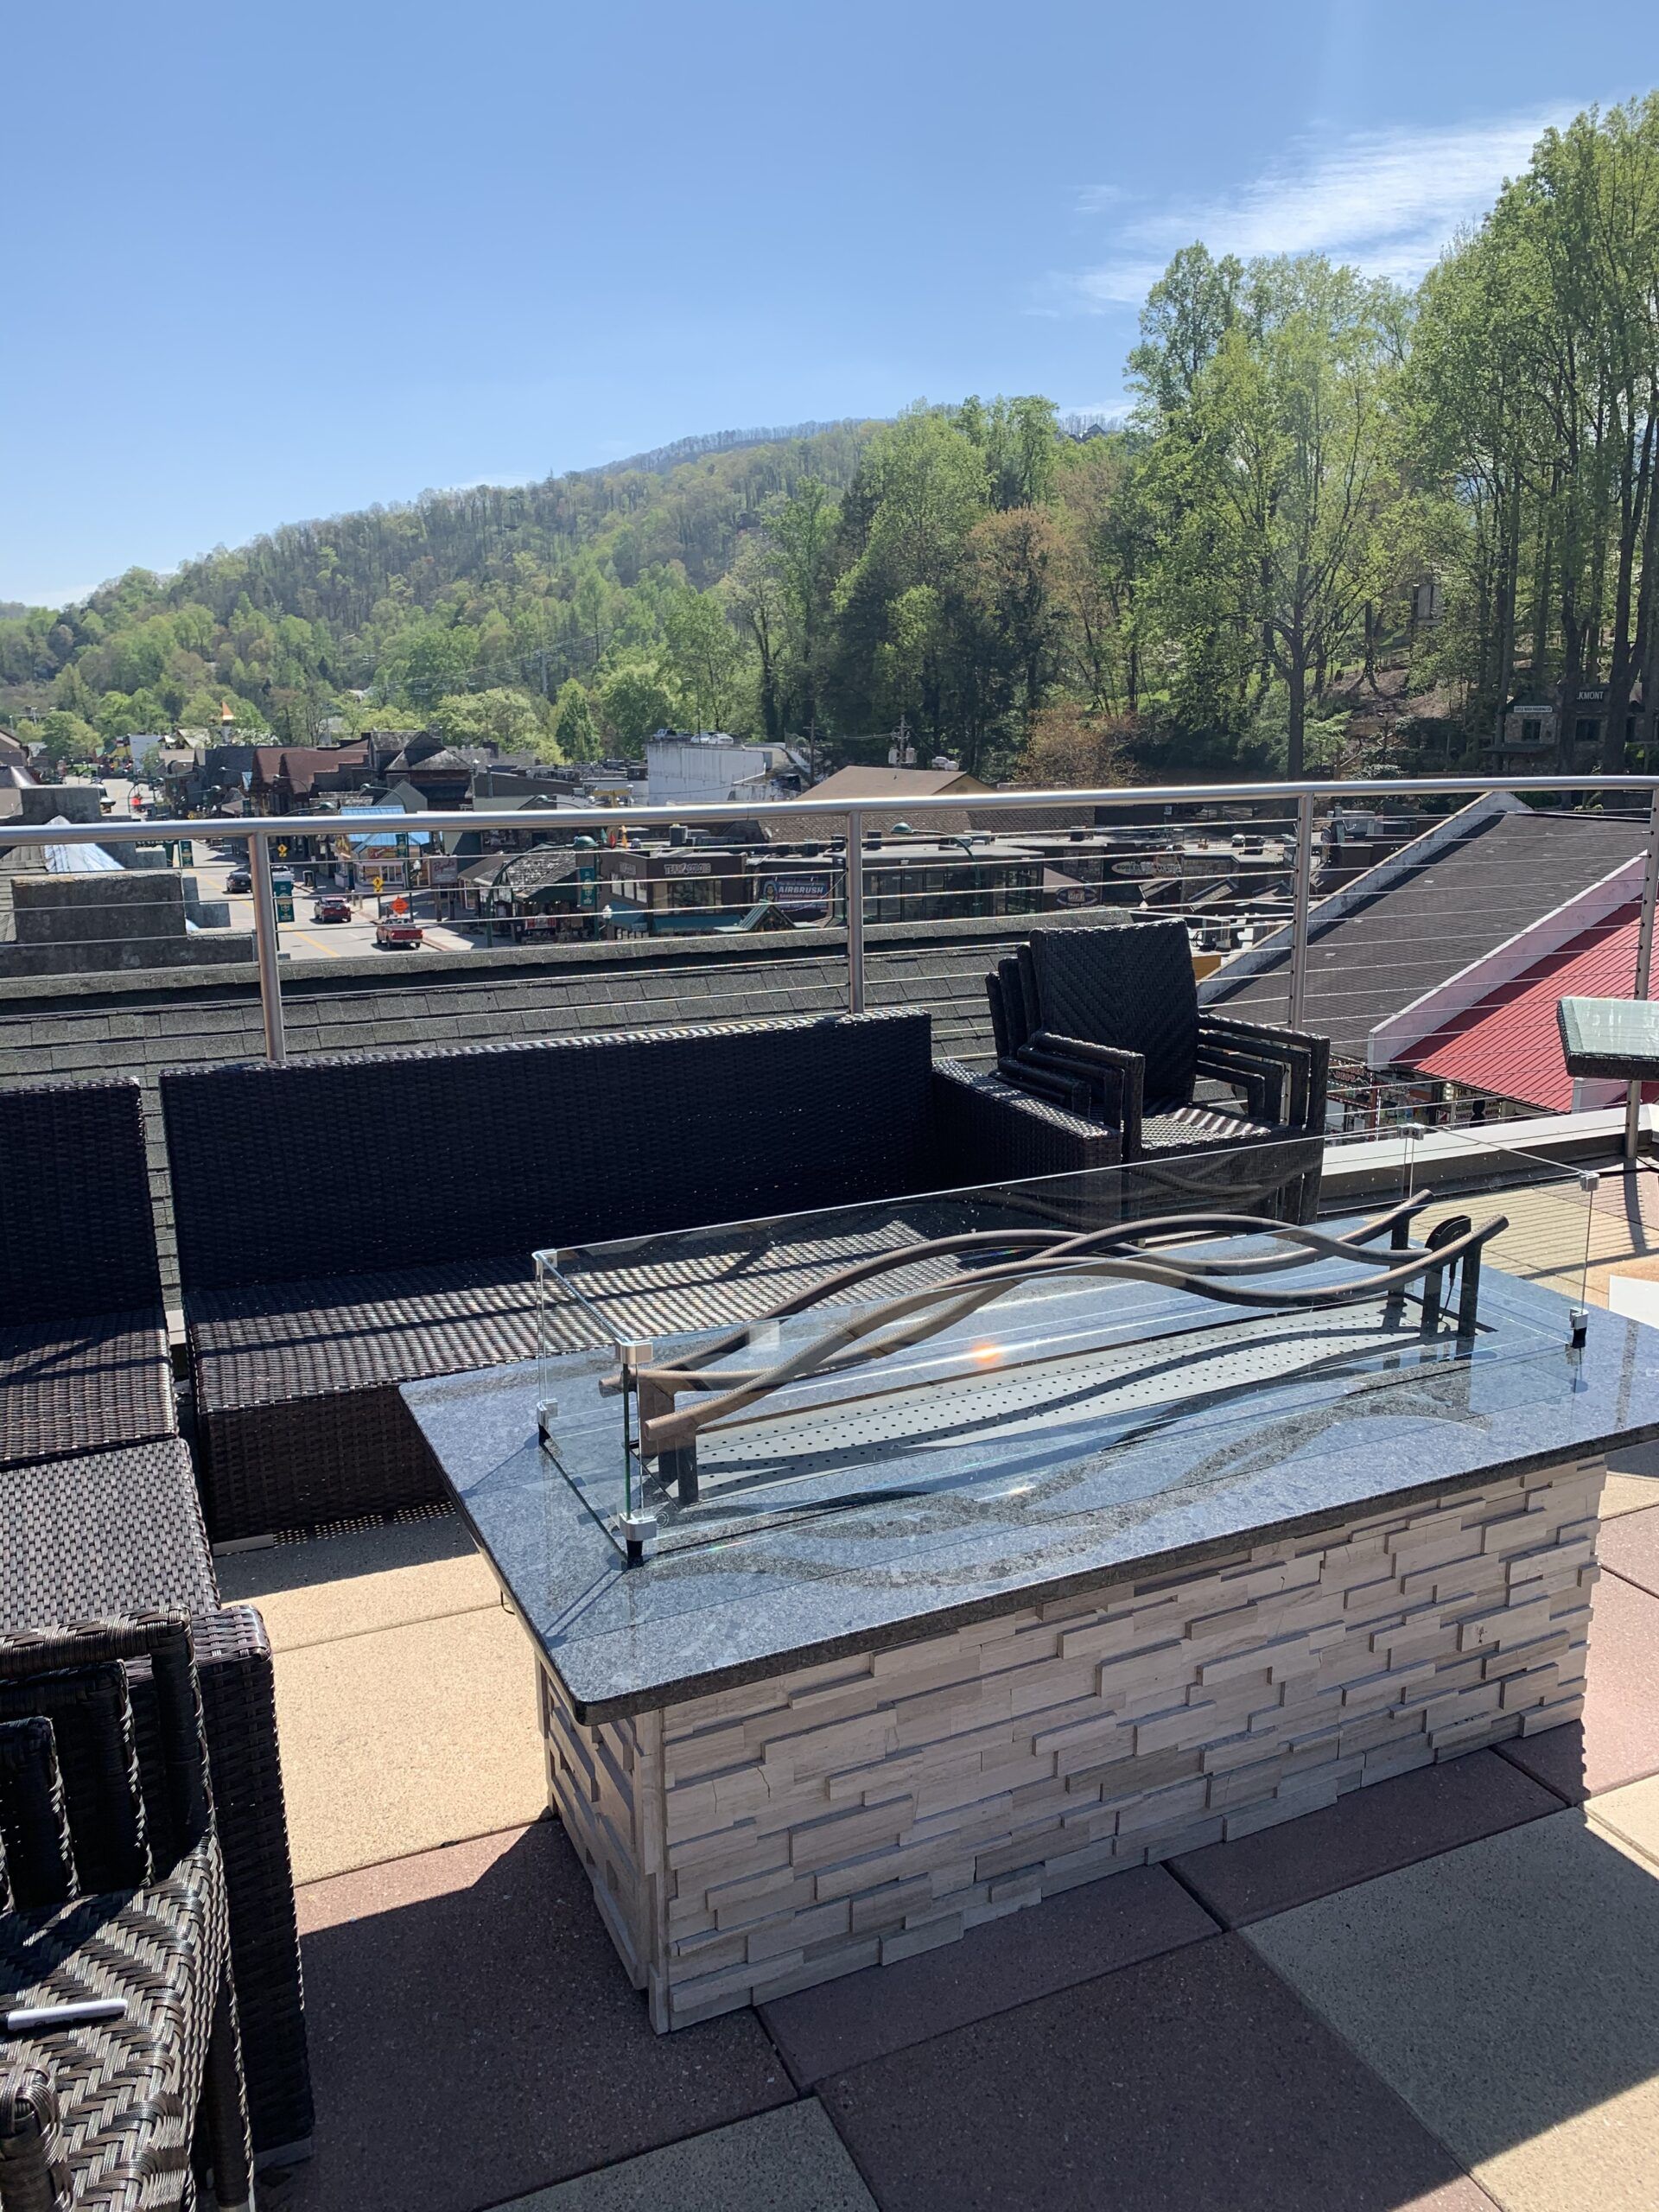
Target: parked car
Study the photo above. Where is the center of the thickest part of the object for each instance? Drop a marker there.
(239, 879)
(331, 907)
(395, 933)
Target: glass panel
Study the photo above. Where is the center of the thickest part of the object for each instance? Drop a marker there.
(704, 1385)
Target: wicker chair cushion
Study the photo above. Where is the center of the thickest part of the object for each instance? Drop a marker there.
(76, 1225)
(101, 1536)
(1169, 1126)
(421, 1159)
(84, 1386)
(123, 2093)
(368, 1332)
(1131, 986)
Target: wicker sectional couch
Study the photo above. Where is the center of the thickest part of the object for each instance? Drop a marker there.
(346, 1225)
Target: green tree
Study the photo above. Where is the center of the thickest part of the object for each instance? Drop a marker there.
(514, 719)
(572, 722)
(634, 702)
(66, 739)
(1284, 523)
(705, 660)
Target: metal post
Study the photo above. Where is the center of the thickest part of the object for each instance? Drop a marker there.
(1302, 885)
(855, 912)
(1644, 963)
(265, 943)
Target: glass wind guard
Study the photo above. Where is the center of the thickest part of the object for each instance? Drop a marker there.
(927, 1352)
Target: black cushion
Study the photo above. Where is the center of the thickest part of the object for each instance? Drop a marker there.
(1131, 986)
(380, 1162)
(77, 1232)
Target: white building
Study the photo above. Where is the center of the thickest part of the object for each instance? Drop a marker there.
(709, 767)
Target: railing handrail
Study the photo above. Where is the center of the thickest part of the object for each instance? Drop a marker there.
(259, 832)
(263, 826)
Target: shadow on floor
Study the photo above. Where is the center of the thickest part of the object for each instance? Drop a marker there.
(475, 2037)
(245, 1577)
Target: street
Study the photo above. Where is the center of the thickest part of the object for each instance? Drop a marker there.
(305, 939)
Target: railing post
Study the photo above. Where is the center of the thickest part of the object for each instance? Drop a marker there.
(855, 912)
(265, 944)
(1301, 886)
(1644, 963)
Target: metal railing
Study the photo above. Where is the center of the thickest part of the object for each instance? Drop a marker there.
(1282, 940)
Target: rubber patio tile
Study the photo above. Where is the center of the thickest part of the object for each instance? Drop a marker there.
(1075, 1936)
(790, 2160)
(405, 1739)
(475, 2037)
(1196, 2081)
(1631, 1815)
(332, 1586)
(1630, 1548)
(1617, 1740)
(1369, 1832)
(1509, 1992)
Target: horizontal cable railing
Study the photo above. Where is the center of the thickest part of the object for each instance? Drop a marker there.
(1259, 874)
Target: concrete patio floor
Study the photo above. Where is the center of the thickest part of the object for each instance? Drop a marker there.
(1440, 1994)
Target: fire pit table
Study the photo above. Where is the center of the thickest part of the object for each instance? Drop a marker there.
(891, 1570)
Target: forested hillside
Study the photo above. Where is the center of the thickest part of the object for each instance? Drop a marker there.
(1233, 578)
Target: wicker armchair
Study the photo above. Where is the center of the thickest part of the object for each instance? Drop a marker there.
(114, 1900)
(1107, 1023)
(84, 1360)
(346, 1225)
(120, 1533)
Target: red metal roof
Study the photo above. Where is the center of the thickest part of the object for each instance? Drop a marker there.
(1508, 1043)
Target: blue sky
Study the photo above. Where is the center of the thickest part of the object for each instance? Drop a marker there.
(269, 263)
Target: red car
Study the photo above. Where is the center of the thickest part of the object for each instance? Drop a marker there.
(331, 909)
(394, 933)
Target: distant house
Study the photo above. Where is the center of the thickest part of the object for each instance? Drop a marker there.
(1455, 894)
(1491, 1028)
(887, 793)
(286, 779)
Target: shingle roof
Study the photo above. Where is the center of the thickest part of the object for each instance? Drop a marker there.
(1509, 1044)
(1454, 908)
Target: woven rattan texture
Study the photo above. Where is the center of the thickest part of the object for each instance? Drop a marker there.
(76, 1227)
(84, 1385)
(126, 2091)
(119, 1533)
(421, 1157)
(1131, 986)
(103, 1534)
(1184, 1129)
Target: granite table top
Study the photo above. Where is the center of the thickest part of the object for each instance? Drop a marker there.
(1617, 1040)
(1099, 1493)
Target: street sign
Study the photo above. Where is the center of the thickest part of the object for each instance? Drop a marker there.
(285, 910)
(379, 882)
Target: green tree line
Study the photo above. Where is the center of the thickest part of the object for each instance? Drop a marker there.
(1232, 579)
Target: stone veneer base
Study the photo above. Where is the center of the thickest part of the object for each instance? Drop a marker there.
(850, 1814)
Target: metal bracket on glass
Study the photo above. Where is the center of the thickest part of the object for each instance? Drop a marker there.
(1578, 1325)
(639, 1533)
(546, 1413)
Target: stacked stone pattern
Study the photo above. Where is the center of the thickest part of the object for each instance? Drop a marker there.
(850, 1814)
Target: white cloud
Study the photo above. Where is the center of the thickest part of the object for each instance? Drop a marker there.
(1387, 201)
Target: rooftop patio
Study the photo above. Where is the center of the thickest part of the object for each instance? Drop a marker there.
(1434, 1991)
(1439, 1992)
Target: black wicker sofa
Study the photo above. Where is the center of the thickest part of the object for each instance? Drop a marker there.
(346, 1225)
(84, 1361)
